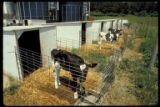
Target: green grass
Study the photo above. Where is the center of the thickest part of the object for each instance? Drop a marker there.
(130, 45)
(124, 64)
(95, 57)
(94, 42)
(145, 80)
(75, 51)
(146, 83)
(13, 87)
(131, 18)
(97, 14)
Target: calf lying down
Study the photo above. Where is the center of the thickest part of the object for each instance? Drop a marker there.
(72, 63)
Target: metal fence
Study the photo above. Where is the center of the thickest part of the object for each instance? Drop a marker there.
(37, 10)
(51, 11)
(97, 80)
(73, 12)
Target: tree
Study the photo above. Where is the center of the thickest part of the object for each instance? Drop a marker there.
(126, 7)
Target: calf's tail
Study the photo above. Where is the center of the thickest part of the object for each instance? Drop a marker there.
(92, 65)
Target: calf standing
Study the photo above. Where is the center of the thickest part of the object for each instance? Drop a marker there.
(72, 63)
(111, 36)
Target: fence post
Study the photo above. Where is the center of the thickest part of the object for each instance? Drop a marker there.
(154, 53)
(80, 39)
(49, 69)
(146, 34)
(17, 63)
(125, 40)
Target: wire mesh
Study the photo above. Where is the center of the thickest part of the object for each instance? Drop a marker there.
(97, 80)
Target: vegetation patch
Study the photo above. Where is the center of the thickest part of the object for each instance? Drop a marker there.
(96, 57)
(13, 87)
(94, 42)
(146, 83)
(75, 51)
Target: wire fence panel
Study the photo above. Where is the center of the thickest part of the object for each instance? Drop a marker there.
(97, 81)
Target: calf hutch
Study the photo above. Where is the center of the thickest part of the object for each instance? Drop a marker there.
(74, 34)
(34, 54)
(41, 39)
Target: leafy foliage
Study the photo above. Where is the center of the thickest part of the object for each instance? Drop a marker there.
(147, 46)
(134, 8)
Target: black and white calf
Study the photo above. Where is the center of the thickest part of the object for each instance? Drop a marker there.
(72, 63)
(105, 37)
(111, 36)
(115, 32)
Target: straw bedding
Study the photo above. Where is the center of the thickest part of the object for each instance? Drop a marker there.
(33, 93)
(106, 47)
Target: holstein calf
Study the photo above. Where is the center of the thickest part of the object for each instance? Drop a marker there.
(115, 32)
(72, 63)
(111, 36)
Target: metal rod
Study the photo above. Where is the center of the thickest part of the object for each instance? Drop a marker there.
(66, 14)
(17, 63)
(89, 8)
(71, 13)
(20, 14)
(36, 10)
(23, 10)
(75, 13)
(29, 10)
(42, 10)
(62, 14)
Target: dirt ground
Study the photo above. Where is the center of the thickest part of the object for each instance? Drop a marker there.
(118, 93)
(133, 54)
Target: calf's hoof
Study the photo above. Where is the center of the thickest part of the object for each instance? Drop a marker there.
(75, 95)
(59, 83)
(56, 85)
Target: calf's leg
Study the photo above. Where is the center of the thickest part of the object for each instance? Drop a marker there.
(112, 46)
(56, 74)
(75, 87)
(100, 43)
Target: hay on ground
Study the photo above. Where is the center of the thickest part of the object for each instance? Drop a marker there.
(33, 93)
